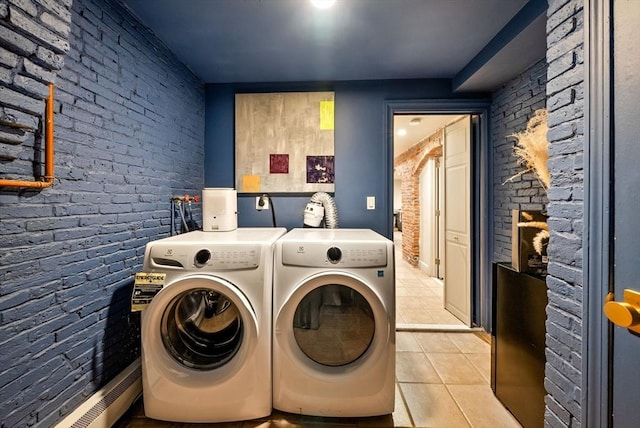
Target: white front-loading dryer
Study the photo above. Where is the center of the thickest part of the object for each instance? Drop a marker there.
(206, 335)
(334, 323)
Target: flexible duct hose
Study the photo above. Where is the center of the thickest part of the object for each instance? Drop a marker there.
(330, 209)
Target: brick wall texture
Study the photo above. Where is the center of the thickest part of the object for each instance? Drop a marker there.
(511, 108)
(33, 42)
(565, 104)
(129, 132)
(558, 84)
(408, 166)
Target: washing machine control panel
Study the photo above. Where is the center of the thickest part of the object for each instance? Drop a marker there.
(234, 257)
(342, 255)
(208, 258)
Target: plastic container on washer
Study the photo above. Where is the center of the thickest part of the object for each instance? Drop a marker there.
(219, 209)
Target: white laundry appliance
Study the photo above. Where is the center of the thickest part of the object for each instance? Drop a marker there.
(334, 323)
(206, 335)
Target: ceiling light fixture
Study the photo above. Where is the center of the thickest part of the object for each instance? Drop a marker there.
(415, 121)
(323, 4)
(402, 132)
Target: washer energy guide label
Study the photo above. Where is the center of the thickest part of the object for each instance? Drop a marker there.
(145, 287)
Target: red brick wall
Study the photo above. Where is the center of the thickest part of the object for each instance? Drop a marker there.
(408, 165)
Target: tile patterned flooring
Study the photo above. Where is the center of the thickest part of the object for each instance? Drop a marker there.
(442, 377)
(419, 298)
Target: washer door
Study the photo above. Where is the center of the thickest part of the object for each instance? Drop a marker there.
(202, 328)
(204, 322)
(335, 319)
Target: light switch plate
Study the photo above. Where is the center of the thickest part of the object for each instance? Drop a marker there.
(371, 202)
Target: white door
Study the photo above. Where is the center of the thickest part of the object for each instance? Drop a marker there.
(457, 154)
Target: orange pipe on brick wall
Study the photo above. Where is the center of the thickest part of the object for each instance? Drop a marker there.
(48, 153)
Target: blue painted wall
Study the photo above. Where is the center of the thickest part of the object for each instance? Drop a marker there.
(363, 157)
(565, 380)
(129, 132)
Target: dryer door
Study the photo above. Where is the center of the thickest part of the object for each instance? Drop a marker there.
(335, 319)
(203, 322)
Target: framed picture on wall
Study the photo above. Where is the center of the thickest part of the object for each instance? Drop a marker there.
(284, 142)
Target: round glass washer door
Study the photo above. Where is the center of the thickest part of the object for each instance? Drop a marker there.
(333, 325)
(202, 328)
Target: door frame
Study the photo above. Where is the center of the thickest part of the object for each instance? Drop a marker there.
(597, 251)
(481, 191)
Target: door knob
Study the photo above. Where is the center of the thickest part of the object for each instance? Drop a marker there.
(624, 314)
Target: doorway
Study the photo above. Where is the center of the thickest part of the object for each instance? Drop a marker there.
(421, 236)
(431, 225)
(431, 159)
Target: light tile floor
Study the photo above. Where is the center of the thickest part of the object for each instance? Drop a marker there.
(419, 298)
(442, 378)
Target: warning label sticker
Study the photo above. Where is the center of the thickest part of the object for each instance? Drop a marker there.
(145, 288)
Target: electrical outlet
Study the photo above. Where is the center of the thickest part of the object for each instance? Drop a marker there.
(262, 203)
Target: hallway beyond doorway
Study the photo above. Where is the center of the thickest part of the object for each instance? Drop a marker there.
(419, 298)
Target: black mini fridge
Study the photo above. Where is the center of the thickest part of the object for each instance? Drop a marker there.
(518, 343)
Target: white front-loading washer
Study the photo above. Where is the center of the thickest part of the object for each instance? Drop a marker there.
(206, 335)
(334, 323)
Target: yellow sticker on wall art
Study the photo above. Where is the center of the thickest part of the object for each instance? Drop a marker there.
(327, 115)
(251, 183)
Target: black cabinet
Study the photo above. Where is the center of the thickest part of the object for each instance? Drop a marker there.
(518, 345)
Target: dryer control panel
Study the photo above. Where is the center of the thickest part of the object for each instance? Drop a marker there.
(338, 255)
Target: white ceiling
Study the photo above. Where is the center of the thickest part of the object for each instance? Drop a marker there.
(428, 125)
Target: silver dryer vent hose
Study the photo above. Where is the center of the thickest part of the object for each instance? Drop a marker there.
(330, 209)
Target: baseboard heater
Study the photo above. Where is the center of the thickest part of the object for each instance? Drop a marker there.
(106, 406)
